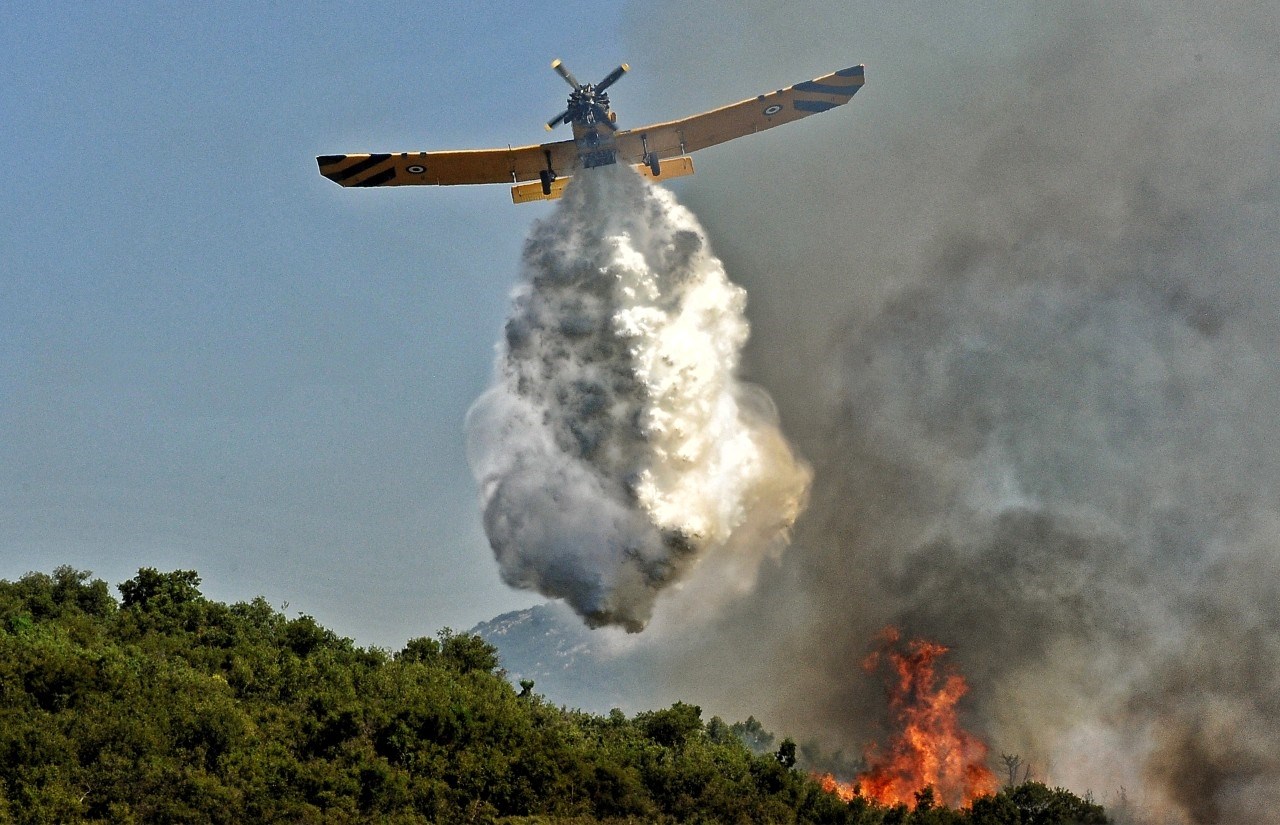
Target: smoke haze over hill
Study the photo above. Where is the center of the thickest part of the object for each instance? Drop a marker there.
(1023, 322)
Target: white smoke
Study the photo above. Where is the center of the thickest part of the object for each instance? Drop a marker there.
(616, 447)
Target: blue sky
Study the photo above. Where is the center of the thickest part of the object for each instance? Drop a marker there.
(212, 358)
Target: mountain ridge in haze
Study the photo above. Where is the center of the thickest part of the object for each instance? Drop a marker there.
(569, 663)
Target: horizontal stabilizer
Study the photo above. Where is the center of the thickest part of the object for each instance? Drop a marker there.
(527, 192)
(671, 168)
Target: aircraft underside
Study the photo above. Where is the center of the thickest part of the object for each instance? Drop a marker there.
(659, 151)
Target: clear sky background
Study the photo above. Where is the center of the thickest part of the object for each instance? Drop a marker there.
(212, 358)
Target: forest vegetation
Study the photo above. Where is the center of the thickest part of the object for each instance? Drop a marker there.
(165, 706)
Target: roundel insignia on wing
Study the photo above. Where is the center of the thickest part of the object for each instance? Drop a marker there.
(772, 110)
(415, 169)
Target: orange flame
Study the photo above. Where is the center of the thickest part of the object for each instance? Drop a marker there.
(930, 748)
(830, 784)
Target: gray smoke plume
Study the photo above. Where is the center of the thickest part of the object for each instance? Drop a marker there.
(1032, 289)
(617, 447)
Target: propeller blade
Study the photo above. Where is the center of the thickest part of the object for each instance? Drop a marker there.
(557, 120)
(612, 77)
(563, 72)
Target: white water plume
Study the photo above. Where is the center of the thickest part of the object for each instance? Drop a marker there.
(616, 447)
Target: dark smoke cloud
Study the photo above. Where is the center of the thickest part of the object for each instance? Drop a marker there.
(1019, 304)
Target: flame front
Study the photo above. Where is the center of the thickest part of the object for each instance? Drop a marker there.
(846, 791)
(930, 748)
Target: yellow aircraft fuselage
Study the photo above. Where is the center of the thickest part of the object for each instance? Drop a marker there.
(596, 145)
(659, 150)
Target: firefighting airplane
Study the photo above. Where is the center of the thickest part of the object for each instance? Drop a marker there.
(659, 151)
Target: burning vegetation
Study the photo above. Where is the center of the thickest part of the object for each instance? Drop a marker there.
(930, 753)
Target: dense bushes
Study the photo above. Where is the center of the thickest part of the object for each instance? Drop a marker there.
(168, 707)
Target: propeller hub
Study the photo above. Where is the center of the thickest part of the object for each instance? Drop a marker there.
(588, 103)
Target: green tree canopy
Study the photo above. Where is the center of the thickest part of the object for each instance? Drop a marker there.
(169, 707)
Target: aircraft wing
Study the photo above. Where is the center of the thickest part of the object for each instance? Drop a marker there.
(678, 137)
(448, 168)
